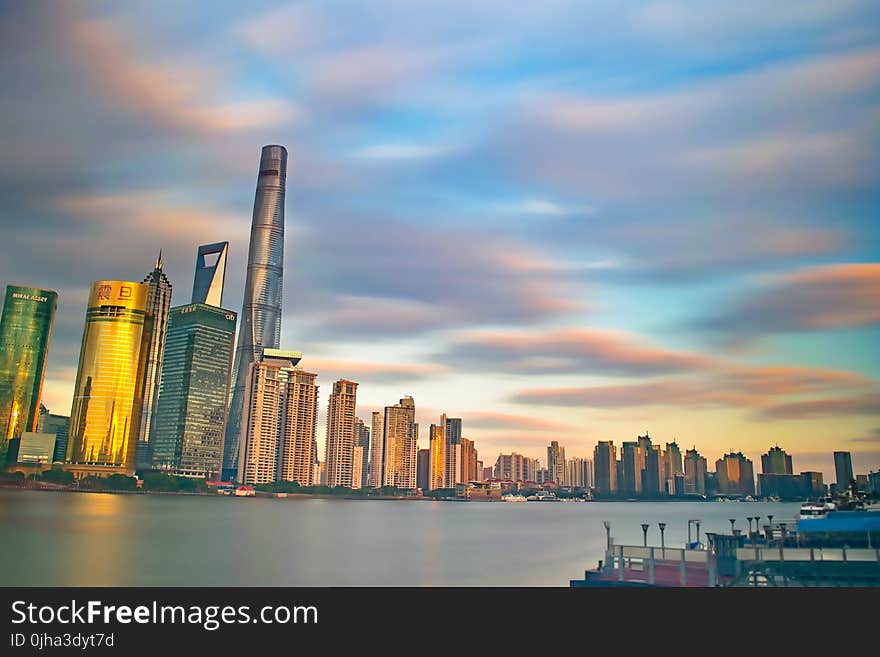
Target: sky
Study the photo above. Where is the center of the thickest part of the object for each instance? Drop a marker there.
(571, 221)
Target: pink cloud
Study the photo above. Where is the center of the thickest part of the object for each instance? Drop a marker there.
(570, 350)
(173, 92)
(836, 296)
(364, 372)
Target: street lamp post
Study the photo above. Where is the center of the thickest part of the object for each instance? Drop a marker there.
(662, 526)
(645, 533)
(732, 522)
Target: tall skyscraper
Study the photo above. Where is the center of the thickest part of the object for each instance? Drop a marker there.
(401, 449)
(735, 475)
(362, 436)
(468, 460)
(580, 472)
(556, 463)
(266, 415)
(260, 319)
(776, 461)
(843, 470)
(110, 380)
(423, 475)
(25, 332)
(377, 451)
(605, 467)
(297, 446)
(339, 448)
(632, 459)
(158, 305)
(515, 467)
(674, 466)
(437, 472)
(450, 427)
(694, 473)
(210, 275)
(190, 419)
(653, 466)
(357, 465)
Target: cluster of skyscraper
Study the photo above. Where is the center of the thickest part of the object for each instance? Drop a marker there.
(647, 470)
(572, 472)
(153, 382)
(164, 388)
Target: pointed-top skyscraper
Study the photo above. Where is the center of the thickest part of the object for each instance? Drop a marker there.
(260, 323)
(158, 305)
(210, 274)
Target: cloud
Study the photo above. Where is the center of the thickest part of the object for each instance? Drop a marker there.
(829, 297)
(868, 404)
(494, 420)
(709, 176)
(872, 437)
(545, 207)
(567, 350)
(174, 92)
(403, 151)
(366, 373)
(767, 390)
(659, 393)
(398, 278)
(773, 381)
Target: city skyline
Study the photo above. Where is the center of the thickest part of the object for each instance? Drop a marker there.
(726, 301)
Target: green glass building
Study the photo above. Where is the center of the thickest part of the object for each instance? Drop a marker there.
(25, 331)
(190, 419)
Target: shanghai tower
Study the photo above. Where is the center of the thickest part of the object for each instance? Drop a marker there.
(260, 325)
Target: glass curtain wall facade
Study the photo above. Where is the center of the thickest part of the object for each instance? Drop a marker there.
(25, 332)
(261, 309)
(190, 419)
(108, 394)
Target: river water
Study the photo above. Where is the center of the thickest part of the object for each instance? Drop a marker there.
(99, 539)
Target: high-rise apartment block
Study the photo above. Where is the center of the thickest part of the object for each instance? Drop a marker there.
(377, 450)
(694, 473)
(400, 449)
(362, 437)
(605, 467)
(437, 474)
(776, 461)
(339, 448)
(556, 463)
(735, 475)
(278, 425)
(580, 473)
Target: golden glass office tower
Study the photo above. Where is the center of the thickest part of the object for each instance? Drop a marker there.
(109, 394)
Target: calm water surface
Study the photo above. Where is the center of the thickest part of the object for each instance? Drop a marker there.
(83, 539)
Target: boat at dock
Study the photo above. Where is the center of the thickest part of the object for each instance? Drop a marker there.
(543, 496)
